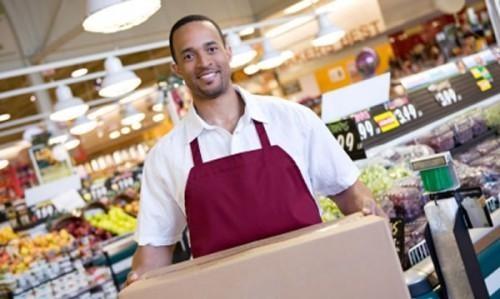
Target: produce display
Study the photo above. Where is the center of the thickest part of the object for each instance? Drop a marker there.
(7, 234)
(116, 221)
(379, 178)
(79, 229)
(407, 202)
(19, 255)
(330, 210)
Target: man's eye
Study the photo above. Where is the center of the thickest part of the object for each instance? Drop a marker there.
(212, 49)
(188, 56)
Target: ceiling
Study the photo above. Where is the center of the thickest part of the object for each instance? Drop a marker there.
(41, 31)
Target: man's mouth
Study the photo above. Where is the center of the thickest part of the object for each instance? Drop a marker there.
(207, 75)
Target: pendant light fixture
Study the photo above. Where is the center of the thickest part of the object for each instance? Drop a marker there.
(71, 143)
(83, 125)
(57, 137)
(108, 16)
(242, 53)
(131, 115)
(118, 81)
(67, 107)
(328, 34)
(272, 58)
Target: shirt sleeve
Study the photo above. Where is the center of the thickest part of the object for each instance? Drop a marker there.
(330, 168)
(161, 220)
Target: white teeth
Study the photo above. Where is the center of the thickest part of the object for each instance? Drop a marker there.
(207, 76)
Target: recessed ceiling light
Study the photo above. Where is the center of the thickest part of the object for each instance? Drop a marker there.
(247, 31)
(32, 98)
(136, 126)
(79, 72)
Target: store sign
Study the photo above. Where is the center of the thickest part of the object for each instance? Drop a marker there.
(347, 135)
(355, 35)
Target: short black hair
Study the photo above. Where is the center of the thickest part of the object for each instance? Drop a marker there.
(186, 20)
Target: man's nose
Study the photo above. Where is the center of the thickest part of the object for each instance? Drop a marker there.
(203, 60)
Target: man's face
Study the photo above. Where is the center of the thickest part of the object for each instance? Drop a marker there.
(202, 59)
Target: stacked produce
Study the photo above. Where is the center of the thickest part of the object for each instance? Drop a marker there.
(20, 253)
(81, 229)
(329, 208)
(116, 221)
(7, 234)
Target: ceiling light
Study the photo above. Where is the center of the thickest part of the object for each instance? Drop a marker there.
(242, 53)
(107, 16)
(32, 98)
(4, 117)
(67, 107)
(272, 58)
(4, 163)
(136, 126)
(301, 5)
(118, 81)
(114, 134)
(251, 69)
(328, 34)
(247, 31)
(83, 125)
(57, 137)
(79, 72)
(72, 143)
(125, 130)
(138, 95)
(94, 114)
(158, 107)
(278, 30)
(158, 117)
(131, 115)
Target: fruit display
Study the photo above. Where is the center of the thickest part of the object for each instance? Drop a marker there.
(407, 202)
(79, 229)
(414, 234)
(440, 139)
(21, 253)
(330, 211)
(462, 130)
(7, 234)
(116, 221)
(379, 179)
(132, 208)
(492, 115)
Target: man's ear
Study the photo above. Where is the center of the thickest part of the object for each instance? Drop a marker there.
(229, 52)
(175, 69)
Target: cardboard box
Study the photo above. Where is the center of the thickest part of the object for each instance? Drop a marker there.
(353, 258)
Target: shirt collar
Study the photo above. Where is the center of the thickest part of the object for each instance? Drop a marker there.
(195, 124)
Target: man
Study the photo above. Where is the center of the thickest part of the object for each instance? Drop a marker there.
(238, 167)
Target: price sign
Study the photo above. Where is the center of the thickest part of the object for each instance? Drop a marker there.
(398, 235)
(445, 94)
(407, 113)
(347, 135)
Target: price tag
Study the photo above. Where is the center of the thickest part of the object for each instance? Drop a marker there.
(386, 121)
(445, 94)
(347, 135)
(407, 113)
(398, 235)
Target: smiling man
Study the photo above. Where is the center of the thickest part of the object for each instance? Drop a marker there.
(239, 167)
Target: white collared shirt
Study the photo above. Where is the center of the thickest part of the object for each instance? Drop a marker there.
(325, 167)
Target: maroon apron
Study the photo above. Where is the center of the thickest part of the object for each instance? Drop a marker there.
(245, 197)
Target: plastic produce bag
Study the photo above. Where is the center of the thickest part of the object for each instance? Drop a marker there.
(462, 129)
(407, 202)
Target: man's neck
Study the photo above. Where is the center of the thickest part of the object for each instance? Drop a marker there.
(224, 111)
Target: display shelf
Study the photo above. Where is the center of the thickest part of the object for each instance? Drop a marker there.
(45, 281)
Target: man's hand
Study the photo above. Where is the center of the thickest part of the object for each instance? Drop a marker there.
(147, 258)
(358, 198)
(131, 278)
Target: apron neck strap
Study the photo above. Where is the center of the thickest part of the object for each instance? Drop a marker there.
(261, 131)
(195, 152)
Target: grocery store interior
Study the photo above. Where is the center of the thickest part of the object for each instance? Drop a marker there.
(410, 89)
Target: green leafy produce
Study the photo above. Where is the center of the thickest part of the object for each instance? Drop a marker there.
(380, 179)
(492, 115)
(329, 208)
